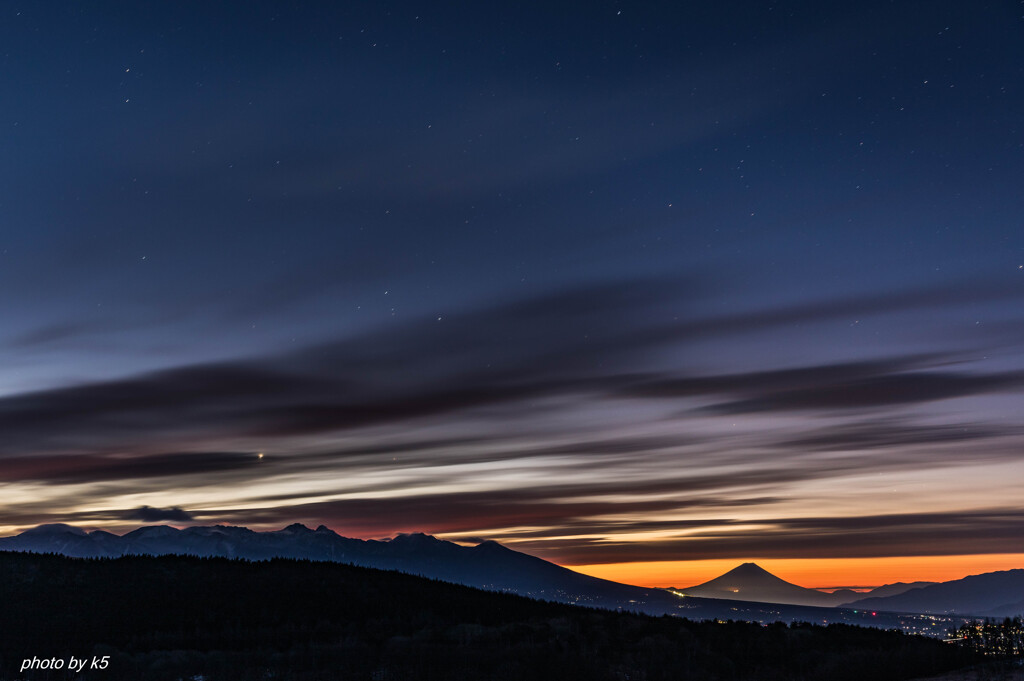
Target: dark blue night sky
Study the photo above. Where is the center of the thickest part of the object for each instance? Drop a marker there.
(608, 282)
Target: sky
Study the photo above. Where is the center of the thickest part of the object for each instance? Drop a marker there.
(646, 288)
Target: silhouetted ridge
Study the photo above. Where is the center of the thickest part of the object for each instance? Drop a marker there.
(297, 528)
(153, 531)
(993, 593)
(178, 617)
(489, 566)
(415, 539)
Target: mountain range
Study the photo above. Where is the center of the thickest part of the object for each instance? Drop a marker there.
(993, 594)
(488, 565)
(746, 592)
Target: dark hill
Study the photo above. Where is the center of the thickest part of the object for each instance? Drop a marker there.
(172, 617)
(996, 593)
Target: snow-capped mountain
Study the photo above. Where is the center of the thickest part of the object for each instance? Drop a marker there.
(488, 565)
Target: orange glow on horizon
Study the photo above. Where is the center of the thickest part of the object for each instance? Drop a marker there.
(820, 573)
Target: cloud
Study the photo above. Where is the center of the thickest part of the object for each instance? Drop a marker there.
(598, 501)
(911, 534)
(876, 391)
(587, 341)
(550, 523)
(547, 345)
(850, 385)
(404, 410)
(891, 432)
(90, 468)
(147, 514)
(947, 295)
(43, 512)
(61, 332)
(466, 512)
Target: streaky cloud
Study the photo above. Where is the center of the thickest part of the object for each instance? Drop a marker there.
(148, 514)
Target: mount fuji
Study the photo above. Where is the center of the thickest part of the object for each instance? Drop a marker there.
(750, 582)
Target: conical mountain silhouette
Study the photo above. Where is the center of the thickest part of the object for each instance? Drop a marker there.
(751, 582)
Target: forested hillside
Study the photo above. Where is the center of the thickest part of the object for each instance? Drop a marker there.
(172, 617)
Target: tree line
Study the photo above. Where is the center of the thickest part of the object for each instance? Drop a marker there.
(177, 617)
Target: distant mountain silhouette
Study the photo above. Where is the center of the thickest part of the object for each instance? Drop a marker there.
(992, 593)
(1006, 610)
(182, 617)
(751, 582)
(890, 590)
(488, 565)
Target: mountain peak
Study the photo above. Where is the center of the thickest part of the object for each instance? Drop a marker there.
(749, 569)
(751, 582)
(56, 528)
(221, 530)
(297, 528)
(750, 574)
(414, 538)
(153, 531)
